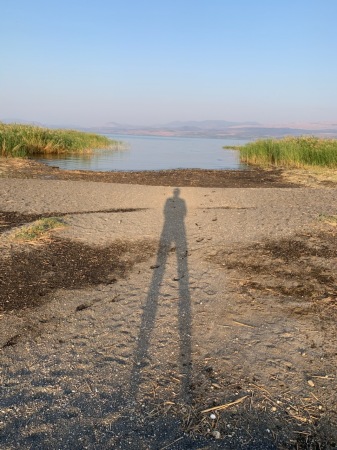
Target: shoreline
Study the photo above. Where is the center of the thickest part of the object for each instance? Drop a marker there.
(254, 177)
(251, 178)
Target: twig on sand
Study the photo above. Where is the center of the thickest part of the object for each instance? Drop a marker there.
(325, 377)
(242, 324)
(261, 388)
(169, 445)
(225, 406)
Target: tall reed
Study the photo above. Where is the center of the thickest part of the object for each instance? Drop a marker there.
(291, 151)
(25, 140)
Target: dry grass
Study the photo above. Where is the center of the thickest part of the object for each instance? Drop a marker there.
(311, 177)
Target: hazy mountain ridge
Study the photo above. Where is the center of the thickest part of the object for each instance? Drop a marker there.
(221, 129)
(207, 128)
(22, 122)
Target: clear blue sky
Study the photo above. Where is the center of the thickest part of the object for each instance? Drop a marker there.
(88, 62)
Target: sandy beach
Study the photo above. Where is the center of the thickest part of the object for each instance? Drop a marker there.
(155, 304)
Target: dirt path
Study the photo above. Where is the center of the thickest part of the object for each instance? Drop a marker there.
(184, 300)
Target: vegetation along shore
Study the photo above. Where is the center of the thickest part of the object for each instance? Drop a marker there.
(292, 152)
(25, 140)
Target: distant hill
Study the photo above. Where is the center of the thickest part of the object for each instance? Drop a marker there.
(207, 129)
(206, 124)
(23, 122)
(118, 126)
(39, 124)
(221, 129)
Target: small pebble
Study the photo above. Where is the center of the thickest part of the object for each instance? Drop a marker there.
(216, 434)
(213, 416)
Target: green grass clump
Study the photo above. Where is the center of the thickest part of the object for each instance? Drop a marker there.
(332, 220)
(39, 229)
(291, 151)
(26, 140)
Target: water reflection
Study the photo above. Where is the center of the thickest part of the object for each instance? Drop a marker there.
(87, 161)
(154, 153)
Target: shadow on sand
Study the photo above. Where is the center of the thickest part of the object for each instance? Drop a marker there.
(173, 238)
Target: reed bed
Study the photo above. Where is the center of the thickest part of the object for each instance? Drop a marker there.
(26, 140)
(299, 152)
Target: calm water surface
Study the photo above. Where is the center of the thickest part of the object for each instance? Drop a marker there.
(155, 153)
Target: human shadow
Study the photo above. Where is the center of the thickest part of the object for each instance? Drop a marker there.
(173, 239)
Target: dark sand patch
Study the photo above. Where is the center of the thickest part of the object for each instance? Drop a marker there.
(253, 178)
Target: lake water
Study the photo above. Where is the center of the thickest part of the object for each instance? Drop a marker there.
(140, 153)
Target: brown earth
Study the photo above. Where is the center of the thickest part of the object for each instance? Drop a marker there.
(18, 168)
(202, 319)
(255, 177)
